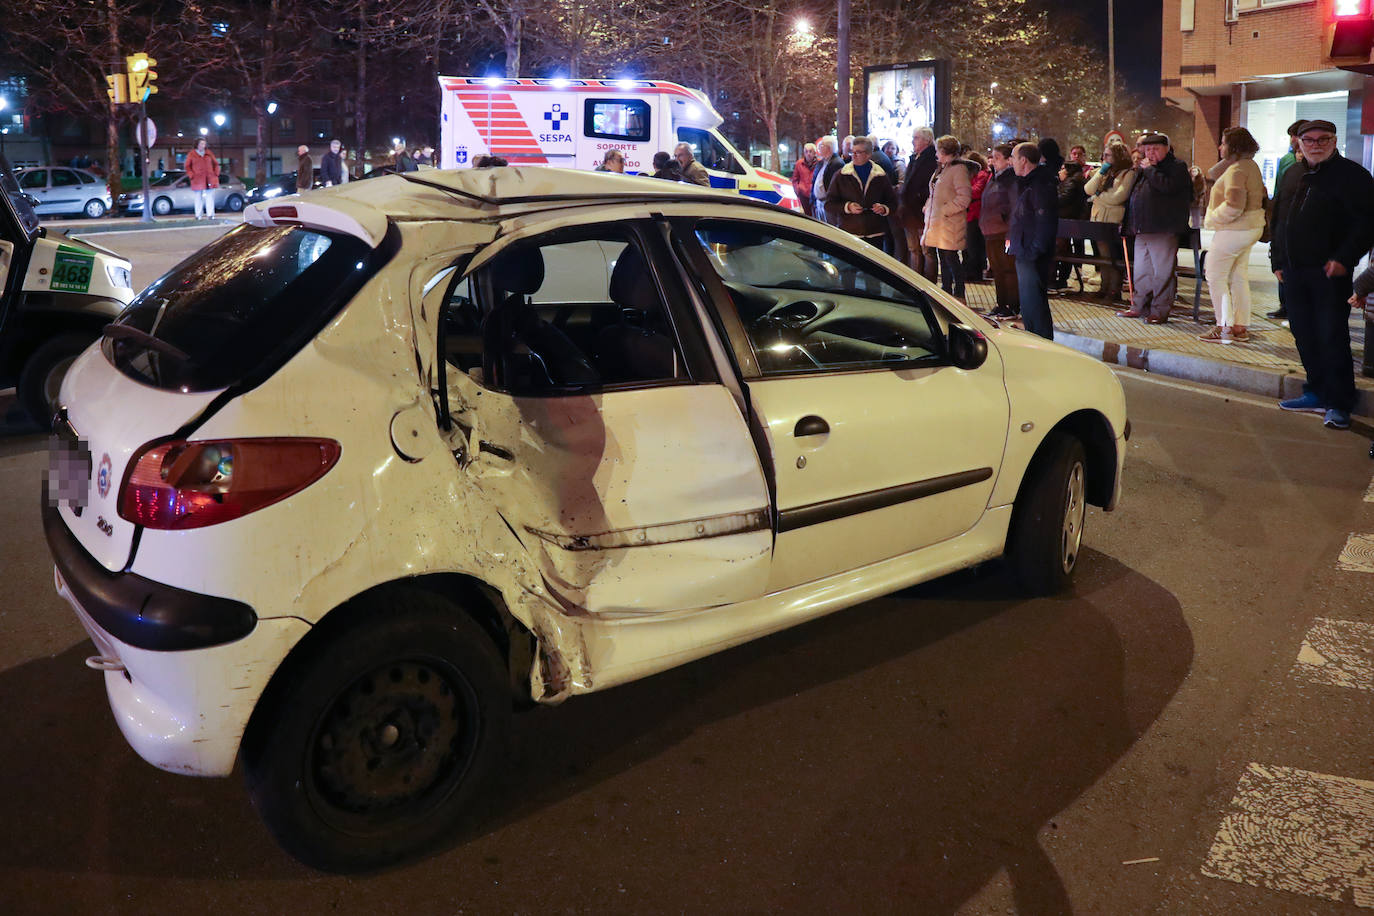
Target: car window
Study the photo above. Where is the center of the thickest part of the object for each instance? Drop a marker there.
(37, 179)
(708, 150)
(62, 178)
(86, 177)
(236, 306)
(613, 119)
(571, 311)
(809, 306)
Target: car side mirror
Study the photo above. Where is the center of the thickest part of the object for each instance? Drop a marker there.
(968, 348)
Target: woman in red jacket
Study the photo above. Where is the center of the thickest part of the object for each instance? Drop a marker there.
(975, 255)
(203, 170)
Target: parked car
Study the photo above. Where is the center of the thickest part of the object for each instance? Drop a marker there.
(65, 191)
(391, 459)
(56, 293)
(278, 186)
(172, 191)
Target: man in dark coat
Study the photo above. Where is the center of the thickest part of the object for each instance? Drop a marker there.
(305, 170)
(1156, 214)
(915, 191)
(1323, 223)
(331, 165)
(1031, 235)
(860, 197)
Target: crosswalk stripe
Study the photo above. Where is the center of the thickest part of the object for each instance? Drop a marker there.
(1358, 554)
(1298, 831)
(1337, 653)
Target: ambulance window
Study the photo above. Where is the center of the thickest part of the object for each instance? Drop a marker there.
(616, 119)
(708, 150)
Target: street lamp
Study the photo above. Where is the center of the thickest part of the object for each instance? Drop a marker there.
(271, 135)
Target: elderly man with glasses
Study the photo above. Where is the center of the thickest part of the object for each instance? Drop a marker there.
(1323, 223)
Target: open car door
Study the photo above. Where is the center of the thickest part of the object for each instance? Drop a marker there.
(595, 423)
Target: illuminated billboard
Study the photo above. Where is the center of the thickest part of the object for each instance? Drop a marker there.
(898, 98)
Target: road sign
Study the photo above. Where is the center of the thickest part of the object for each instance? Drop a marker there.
(146, 133)
(1113, 136)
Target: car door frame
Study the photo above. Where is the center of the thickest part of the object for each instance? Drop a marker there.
(733, 329)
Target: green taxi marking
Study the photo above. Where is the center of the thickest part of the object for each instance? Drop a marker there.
(71, 270)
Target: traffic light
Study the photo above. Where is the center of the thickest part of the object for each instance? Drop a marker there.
(142, 76)
(1352, 33)
(117, 88)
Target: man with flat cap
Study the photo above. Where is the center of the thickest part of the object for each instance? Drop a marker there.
(1156, 213)
(1323, 223)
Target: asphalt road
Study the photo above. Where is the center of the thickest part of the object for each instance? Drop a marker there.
(951, 748)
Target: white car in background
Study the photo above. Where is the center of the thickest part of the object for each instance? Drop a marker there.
(172, 191)
(388, 459)
(65, 191)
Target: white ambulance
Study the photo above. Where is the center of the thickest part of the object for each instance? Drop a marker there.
(572, 123)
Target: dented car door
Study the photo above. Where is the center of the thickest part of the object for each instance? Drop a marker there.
(624, 467)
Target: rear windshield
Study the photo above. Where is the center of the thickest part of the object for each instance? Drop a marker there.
(237, 308)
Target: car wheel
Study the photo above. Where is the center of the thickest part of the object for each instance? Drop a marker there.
(1047, 522)
(234, 203)
(162, 206)
(369, 746)
(40, 381)
(95, 209)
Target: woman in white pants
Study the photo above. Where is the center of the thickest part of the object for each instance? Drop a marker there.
(1235, 213)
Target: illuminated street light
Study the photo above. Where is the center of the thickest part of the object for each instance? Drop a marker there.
(1043, 100)
(205, 131)
(219, 119)
(271, 136)
(994, 85)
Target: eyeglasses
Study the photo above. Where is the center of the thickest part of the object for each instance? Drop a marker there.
(1318, 141)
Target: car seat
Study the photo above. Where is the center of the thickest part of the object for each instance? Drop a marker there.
(638, 347)
(521, 351)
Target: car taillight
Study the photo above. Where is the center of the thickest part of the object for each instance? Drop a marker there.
(180, 484)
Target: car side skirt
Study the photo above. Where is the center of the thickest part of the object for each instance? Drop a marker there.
(623, 649)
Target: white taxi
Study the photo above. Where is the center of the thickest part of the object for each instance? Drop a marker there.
(348, 485)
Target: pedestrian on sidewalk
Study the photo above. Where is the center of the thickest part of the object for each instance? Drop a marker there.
(803, 177)
(305, 169)
(1235, 214)
(1110, 188)
(828, 162)
(1157, 213)
(692, 171)
(975, 252)
(860, 196)
(331, 165)
(1323, 224)
(203, 171)
(946, 216)
(914, 192)
(1287, 161)
(994, 216)
(1031, 235)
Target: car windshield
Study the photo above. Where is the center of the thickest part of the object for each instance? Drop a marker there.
(238, 307)
(165, 180)
(19, 203)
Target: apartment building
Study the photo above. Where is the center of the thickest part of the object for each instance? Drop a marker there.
(1263, 64)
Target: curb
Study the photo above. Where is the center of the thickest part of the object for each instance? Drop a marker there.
(1273, 383)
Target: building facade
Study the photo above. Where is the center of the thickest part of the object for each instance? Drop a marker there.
(1263, 64)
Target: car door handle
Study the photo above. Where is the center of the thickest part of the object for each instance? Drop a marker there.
(810, 425)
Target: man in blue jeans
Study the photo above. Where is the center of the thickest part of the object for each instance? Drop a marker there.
(1323, 222)
(1031, 233)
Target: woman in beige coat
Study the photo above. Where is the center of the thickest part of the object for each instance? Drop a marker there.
(1109, 188)
(1235, 213)
(946, 214)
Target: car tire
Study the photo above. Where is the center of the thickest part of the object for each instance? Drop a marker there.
(233, 203)
(1047, 521)
(368, 747)
(94, 209)
(162, 206)
(40, 381)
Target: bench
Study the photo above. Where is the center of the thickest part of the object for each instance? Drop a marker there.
(1108, 236)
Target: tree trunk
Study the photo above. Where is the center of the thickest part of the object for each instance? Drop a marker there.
(513, 36)
(113, 171)
(260, 173)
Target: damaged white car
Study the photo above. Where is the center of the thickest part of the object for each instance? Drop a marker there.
(341, 490)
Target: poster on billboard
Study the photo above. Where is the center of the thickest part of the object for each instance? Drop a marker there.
(898, 98)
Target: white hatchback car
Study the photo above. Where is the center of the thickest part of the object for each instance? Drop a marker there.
(343, 488)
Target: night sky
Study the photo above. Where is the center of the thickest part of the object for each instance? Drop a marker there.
(1138, 34)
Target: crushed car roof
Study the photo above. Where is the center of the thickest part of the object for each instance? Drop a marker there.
(363, 208)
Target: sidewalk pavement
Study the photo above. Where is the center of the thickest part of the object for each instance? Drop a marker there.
(1268, 365)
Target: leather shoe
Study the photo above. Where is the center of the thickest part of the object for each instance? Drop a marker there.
(1158, 319)
(1129, 313)
(1277, 314)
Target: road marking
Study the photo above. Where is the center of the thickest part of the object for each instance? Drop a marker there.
(1358, 554)
(1337, 653)
(1298, 831)
(1196, 388)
